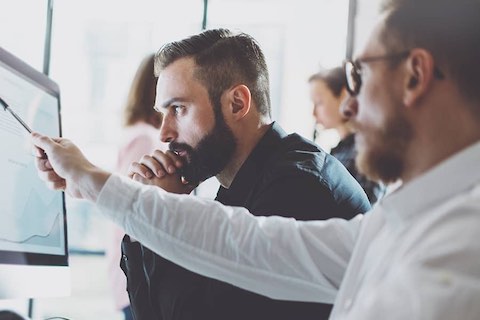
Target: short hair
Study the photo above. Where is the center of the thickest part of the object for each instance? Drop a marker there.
(448, 29)
(141, 97)
(335, 79)
(10, 315)
(223, 59)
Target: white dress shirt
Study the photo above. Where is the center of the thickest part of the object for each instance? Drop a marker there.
(416, 255)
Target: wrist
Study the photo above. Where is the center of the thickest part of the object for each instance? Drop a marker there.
(91, 182)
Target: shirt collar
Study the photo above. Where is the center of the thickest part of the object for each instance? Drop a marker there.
(252, 168)
(452, 176)
(346, 145)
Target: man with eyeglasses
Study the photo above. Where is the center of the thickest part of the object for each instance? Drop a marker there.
(415, 107)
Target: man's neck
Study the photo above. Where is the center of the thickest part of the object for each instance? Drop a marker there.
(245, 146)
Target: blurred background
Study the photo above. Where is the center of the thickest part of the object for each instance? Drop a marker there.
(92, 48)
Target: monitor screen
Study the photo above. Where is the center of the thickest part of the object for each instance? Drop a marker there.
(33, 231)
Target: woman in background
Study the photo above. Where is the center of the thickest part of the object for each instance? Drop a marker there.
(327, 92)
(141, 136)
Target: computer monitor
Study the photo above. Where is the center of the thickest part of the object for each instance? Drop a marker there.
(33, 229)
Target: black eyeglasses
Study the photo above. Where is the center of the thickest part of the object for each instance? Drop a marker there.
(353, 70)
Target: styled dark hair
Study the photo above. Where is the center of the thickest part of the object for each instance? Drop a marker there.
(141, 97)
(10, 315)
(223, 59)
(448, 29)
(335, 79)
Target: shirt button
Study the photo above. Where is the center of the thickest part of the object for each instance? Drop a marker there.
(125, 258)
(348, 304)
(445, 279)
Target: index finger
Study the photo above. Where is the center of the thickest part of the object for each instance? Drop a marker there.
(42, 142)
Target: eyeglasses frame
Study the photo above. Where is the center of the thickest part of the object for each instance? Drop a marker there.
(356, 68)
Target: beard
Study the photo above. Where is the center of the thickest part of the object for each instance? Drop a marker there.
(382, 158)
(211, 155)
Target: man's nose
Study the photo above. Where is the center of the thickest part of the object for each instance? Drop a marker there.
(349, 107)
(167, 132)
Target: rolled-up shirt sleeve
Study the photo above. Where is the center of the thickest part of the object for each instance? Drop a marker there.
(278, 257)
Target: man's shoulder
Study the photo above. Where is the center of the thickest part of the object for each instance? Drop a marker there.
(307, 183)
(284, 142)
(296, 154)
(296, 141)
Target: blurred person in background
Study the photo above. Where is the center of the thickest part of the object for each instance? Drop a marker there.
(140, 137)
(327, 92)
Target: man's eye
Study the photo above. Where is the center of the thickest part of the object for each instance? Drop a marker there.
(177, 109)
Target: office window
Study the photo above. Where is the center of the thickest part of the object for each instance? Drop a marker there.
(298, 38)
(96, 48)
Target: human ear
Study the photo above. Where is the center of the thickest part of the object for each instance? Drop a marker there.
(418, 77)
(240, 100)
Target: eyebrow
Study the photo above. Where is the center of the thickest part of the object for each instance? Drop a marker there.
(167, 103)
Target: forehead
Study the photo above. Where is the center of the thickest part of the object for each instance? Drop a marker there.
(319, 86)
(178, 81)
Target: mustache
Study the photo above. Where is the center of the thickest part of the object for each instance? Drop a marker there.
(177, 147)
